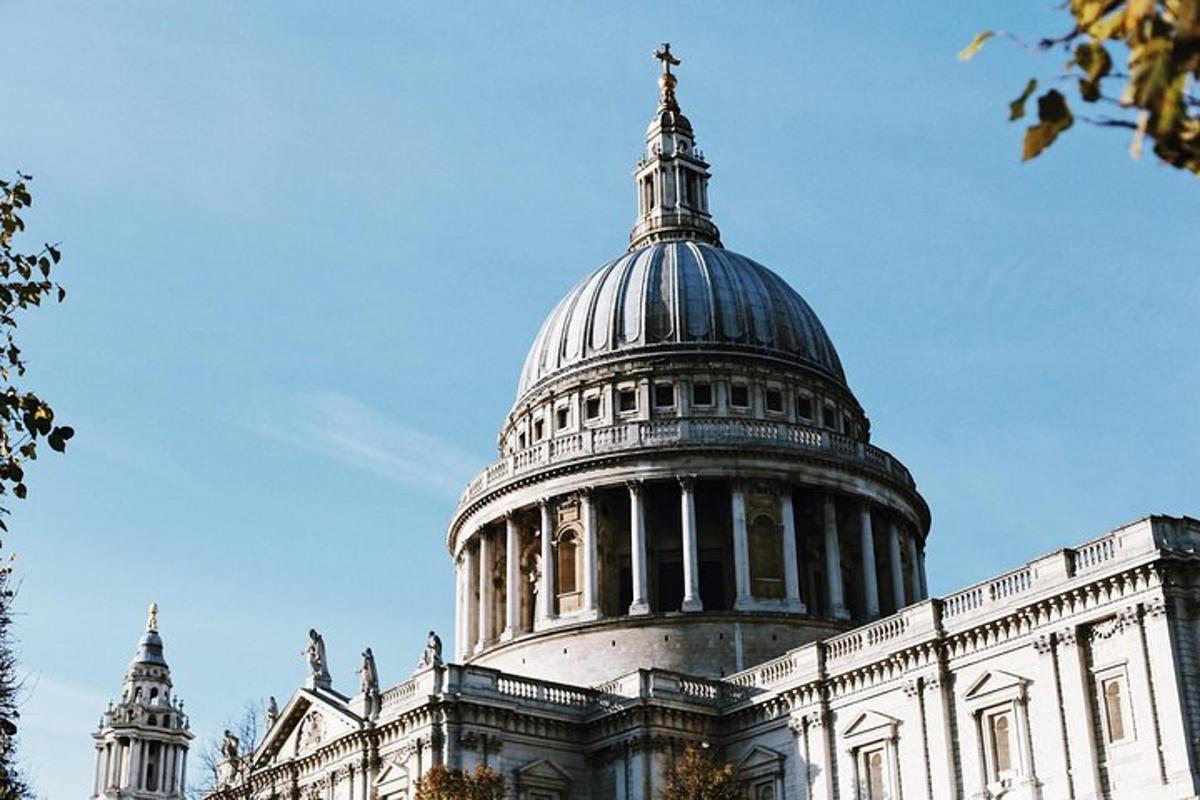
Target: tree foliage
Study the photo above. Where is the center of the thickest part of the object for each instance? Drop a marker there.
(1156, 97)
(25, 281)
(698, 775)
(441, 783)
(247, 727)
(12, 784)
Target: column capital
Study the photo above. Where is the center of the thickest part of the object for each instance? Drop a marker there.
(686, 482)
(545, 500)
(635, 485)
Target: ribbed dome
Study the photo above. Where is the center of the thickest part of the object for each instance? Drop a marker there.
(673, 296)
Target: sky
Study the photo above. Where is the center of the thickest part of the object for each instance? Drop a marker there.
(306, 246)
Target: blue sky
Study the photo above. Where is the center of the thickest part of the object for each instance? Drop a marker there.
(307, 245)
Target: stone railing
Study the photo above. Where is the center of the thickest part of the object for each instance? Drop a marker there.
(691, 432)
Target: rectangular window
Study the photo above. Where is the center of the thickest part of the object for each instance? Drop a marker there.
(592, 407)
(562, 417)
(664, 395)
(829, 416)
(538, 430)
(702, 394)
(521, 442)
(774, 400)
(739, 395)
(627, 400)
(804, 406)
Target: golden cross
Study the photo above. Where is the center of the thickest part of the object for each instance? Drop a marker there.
(663, 54)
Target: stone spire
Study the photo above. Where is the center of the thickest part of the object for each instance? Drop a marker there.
(672, 176)
(142, 741)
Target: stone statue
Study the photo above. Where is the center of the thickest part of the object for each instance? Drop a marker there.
(370, 677)
(318, 667)
(432, 657)
(230, 747)
(272, 711)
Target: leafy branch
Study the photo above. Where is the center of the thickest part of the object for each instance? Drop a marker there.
(1160, 41)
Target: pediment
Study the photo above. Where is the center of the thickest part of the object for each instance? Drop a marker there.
(760, 757)
(996, 684)
(543, 773)
(308, 721)
(871, 724)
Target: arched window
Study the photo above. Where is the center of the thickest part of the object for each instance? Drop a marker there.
(1001, 744)
(1114, 710)
(568, 557)
(766, 558)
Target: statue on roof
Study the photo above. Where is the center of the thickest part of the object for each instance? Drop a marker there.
(272, 711)
(318, 666)
(230, 747)
(370, 676)
(432, 655)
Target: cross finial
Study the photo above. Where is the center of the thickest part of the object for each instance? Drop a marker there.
(152, 622)
(663, 54)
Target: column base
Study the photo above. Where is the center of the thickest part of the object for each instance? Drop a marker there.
(745, 604)
(507, 635)
(796, 607)
(481, 646)
(638, 608)
(841, 612)
(691, 605)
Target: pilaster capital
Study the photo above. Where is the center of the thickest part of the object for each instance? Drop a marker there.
(1043, 644)
(686, 482)
(635, 486)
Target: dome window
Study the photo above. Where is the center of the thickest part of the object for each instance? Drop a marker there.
(775, 401)
(829, 417)
(591, 407)
(702, 394)
(664, 395)
(739, 395)
(538, 430)
(521, 441)
(804, 406)
(627, 400)
(562, 418)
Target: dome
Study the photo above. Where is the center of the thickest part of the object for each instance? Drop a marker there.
(678, 296)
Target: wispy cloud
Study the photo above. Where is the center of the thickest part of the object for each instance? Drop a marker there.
(349, 431)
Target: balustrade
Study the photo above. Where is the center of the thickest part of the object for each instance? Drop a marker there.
(694, 432)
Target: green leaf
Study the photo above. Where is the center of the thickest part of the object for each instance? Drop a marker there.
(968, 52)
(1016, 109)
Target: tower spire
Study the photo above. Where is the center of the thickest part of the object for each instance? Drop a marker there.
(672, 176)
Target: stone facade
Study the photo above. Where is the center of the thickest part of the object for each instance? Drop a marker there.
(689, 538)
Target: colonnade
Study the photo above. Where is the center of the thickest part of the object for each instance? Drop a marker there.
(478, 618)
(124, 762)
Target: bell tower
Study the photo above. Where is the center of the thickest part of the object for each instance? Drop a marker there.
(142, 740)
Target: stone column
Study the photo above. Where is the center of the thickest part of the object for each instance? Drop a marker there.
(546, 591)
(921, 573)
(486, 589)
(637, 549)
(897, 566)
(869, 580)
(818, 765)
(587, 512)
(791, 567)
(183, 770)
(691, 548)
(470, 608)
(1077, 709)
(741, 547)
(460, 604)
(512, 577)
(833, 562)
(914, 568)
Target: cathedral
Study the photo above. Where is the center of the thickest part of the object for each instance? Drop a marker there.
(689, 538)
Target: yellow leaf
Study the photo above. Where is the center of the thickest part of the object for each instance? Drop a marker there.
(968, 52)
